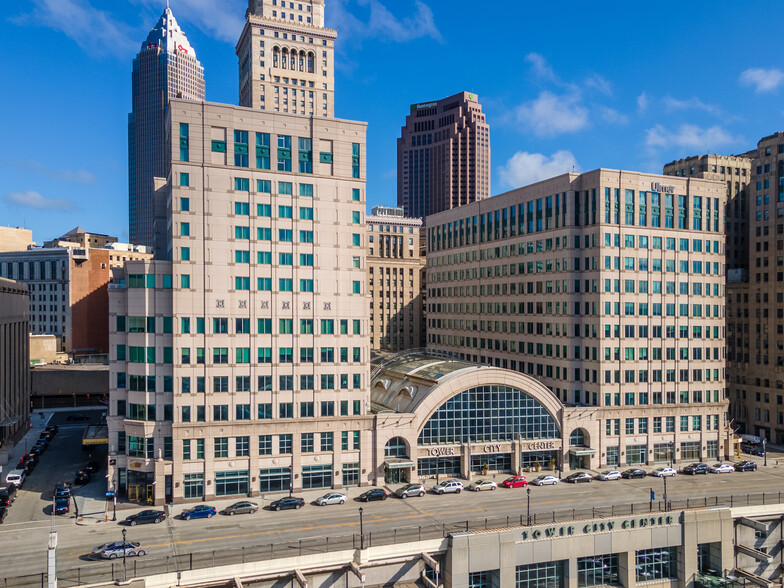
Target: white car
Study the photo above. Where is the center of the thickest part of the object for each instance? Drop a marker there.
(722, 468)
(609, 475)
(480, 485)
(544, 481)
(663, 472)
(115, 550)
(331, 498)
(448, 487)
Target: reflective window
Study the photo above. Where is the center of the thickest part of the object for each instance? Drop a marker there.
(656, 564)
(599, 570)
(542, 575)
(577, 438)
(232, 483)
(489, 413)
(316, 476)
(480, 580)
(396, 447)
(274, 479)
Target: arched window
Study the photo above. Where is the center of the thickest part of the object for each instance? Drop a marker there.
(489, 413)
(396, 447)
(293, 60)
(311, 59)
(275, 57)
(577, 438)
(285, 59)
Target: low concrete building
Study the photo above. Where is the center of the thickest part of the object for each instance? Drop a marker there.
(56, 386)
(14, 364)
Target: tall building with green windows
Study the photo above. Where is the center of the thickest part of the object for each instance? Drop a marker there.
(608, 287)
(241, 366)
(165, 67)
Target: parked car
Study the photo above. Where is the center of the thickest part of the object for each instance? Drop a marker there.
(146, 516)
(410, 490)
(62, 506)
(608, 475)
(479, 485)
(722, 468)
(92, 467)
(515, 482)
(45, 436)
(287, 503)
(200, 511)
(25, 466)
(8, 493)
(544, 480)
(5, 500)
(243, 507)
(62, 490)
(42, 443)
(36, 451)
(696, 468)
(633, 473)
(16, 477)
(578, 477)
(448, 487)
(664, 472)
(115, 550)
(3, 513)
(52, 429)
(373, 494)
(746, 466)
(82, 478)
(331, 498)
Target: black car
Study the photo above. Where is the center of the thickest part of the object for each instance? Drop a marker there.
(62, 506)
(36, 451)
(374, 494)
(578, 478)
(146, 516)
(42, 443)
(52, 430)
(91, 467)
(62, 490)
(632, 473)
(45, 436)
(696, 468)
(287, 503)
(8, 494)
(745, 466)
(25, 466)
(82, 478)
(3, 514)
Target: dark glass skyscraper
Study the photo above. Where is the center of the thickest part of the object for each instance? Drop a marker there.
(165, 67)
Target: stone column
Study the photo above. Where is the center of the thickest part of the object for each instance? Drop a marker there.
(626, 569)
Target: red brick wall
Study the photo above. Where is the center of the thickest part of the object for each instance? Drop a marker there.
(90, 302)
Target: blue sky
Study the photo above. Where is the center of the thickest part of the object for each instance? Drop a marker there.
(563, 85)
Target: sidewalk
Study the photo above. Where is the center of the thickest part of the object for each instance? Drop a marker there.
(36, 424)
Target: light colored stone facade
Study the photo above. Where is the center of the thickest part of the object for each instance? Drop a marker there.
(286, 58)
(606, 286)
(395, 270)
(15, 239)
(261, 353)
(443, 156)
(14, 364)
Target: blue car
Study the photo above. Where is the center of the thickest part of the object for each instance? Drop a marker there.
(202, 511)
(62, 506)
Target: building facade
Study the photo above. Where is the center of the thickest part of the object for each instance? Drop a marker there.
(443, 156)
(286, 59)
(395, 268)
(165, 67)
(14, 364)
(755, 303)
(608, 287)
(15, 239)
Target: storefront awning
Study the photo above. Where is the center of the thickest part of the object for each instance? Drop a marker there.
(582, 451)
(399, 463)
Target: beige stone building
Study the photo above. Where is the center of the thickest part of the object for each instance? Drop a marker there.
(14, 364)
(443, 156)
(395, 267)
(608, 287)
(15, 238)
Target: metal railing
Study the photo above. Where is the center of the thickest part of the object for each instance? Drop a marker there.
(107, 571)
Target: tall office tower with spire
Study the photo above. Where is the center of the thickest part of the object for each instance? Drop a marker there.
(443, 156)
(165, 67)
(286, 58)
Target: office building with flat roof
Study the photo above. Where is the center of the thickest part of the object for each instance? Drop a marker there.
(443, 156)
(14, 364)
(606, 286)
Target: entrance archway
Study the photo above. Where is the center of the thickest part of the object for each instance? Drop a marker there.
(397, 462)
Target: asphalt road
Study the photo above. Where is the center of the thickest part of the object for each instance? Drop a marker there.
(24, 541)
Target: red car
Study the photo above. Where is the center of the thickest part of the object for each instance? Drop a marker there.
(515, 482)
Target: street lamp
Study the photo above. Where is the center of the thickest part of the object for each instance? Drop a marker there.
(114, 507)
(528, 493)
(665, 492)
(361, 531)
(291, 480)
(125, 576)
(672, 454)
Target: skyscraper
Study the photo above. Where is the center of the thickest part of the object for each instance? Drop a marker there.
(242, 364)
(165, 67)
(443, 156)
(286, 58)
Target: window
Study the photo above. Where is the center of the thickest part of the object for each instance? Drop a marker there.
(242, 446)
(221, 447)
(656, 564)
(598, 570)
(306, 443)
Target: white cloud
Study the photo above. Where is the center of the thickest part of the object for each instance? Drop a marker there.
(550, 114)
(599, 83)
(763, 80)
(32, 199)
(695, 103)
(381, 23)
(612, 116)
(525, 168)
(93, 30)
(689, 136)
(541, 67)
(643, 102)
(80, 176)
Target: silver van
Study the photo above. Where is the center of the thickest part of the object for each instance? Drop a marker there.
(15, 477)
